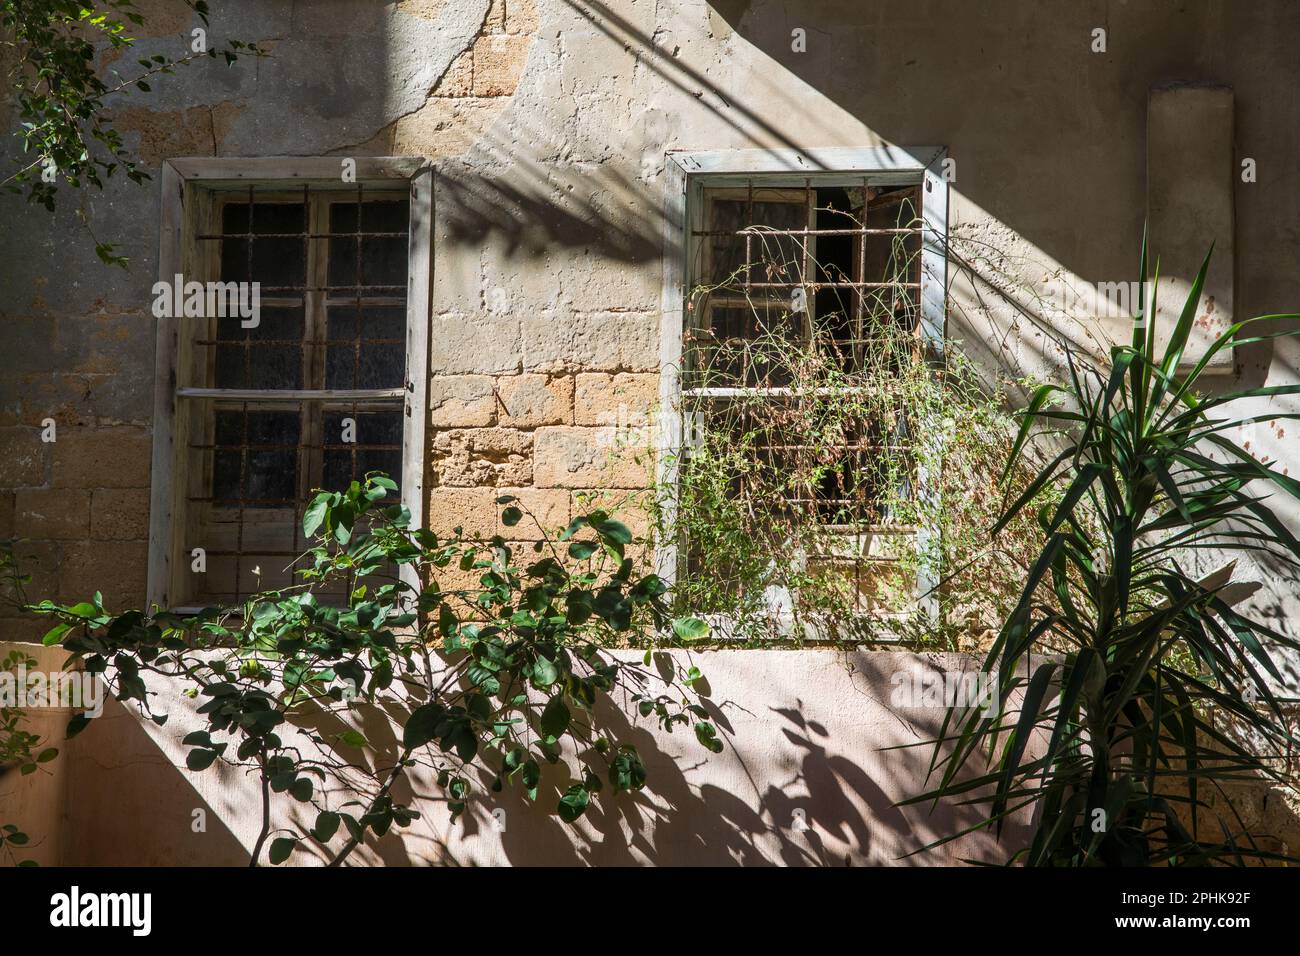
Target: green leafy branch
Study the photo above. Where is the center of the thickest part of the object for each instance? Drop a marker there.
(61, 97)
(491, 678)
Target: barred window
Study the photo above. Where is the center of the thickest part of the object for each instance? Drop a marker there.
(803, 298)
(310, 392)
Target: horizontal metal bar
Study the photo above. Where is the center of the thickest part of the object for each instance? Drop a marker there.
(265, 289)
(846, 531)
(303, 235)
(272, 527)
(259, 446)
(255, 554)
(371, 301)
(767, 231)
(291, 343)
(776, 391)
(292, 395)
(332, 301)
(833, 285)
(856, 446)
(234, 504)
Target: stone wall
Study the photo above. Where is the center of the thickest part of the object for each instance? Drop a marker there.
(548, 122)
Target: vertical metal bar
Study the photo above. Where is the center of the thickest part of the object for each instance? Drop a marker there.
(806, 281)
(248, 339)
(243, 451)
(862, 510)
(243, 493)
(746, 223)
(857, 571)
(859, 332)
(810, 219)
(305, 361)
(356, 366)
(356, 316)
(317, 335)
(749, 236)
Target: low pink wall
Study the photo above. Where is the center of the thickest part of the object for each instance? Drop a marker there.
(805, 779)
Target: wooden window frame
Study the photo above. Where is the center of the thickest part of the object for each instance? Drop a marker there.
(688, 174)
(189, 187)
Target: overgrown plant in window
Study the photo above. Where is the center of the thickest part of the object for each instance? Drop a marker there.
(832, 467)
(1113, 738)
(496, 670)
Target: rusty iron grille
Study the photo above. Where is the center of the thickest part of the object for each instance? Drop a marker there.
(312, 397)
(782, 276)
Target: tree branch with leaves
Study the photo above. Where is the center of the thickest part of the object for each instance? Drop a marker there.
(67, 134)
(487, 683)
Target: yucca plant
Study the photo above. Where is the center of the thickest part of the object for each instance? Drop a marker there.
(1119, 670)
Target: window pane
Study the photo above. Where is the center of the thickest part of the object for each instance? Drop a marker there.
(377, 446)
(746, 344)
(894, 258)
(268, 356)
(255, 458)
(366, 347)
(345, 323)
(743, 319)
(275, 261)
(275, 323)
(772, 258)
(383, 259)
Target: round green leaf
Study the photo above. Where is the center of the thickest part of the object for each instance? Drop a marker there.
(200, 759)
(545, 672)
(555, 718)
(281, 848)
(314, 516)
(574, 803)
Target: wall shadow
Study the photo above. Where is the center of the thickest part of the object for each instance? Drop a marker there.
(128, 804)
(788, 790)
(1048, 135)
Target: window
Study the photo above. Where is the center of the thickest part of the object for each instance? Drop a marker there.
(800, 292)
(315, 386)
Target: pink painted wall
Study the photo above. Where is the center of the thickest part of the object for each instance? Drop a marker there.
(805, 779)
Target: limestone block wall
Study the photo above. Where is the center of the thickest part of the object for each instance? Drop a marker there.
(548, 122)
